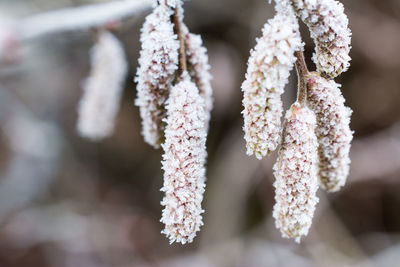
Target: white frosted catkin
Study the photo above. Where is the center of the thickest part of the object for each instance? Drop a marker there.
(199, 70)
(157, 65)
(328, 25)
(102, 89)
(183, 162)
(333, 131)
(295, 171)
(267, 74)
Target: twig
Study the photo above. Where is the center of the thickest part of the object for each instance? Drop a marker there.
(79, 18)
(302, 74)
(176, 19)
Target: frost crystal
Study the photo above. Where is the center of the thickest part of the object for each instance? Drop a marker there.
(102, 89)
(199, 70)
(157, 65)
(296, 174)
(268, 70)
(333, 131)
(183, 162)
(328, 25)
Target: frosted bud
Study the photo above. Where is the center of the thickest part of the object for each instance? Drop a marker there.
(333, 131)
(102, 89)
(183, 162)
(199, 70)
(157, 64)
(328, 25)
(267, 74)
(295, 171)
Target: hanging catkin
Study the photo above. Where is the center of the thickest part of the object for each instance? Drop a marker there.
(157, 65)
(102, 89)
(268, 70)
(295, 171)
(328, 26)
(333, 131)
(183, 162)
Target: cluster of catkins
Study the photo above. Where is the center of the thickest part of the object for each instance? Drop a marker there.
(314, 141)
(174, 96)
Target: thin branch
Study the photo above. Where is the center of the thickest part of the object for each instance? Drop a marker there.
(176, 18)
(302, 74)
(80, 18)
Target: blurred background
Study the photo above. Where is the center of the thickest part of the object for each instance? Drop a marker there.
(69, 202)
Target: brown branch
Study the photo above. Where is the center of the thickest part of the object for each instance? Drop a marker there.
(302, 75)
(176, 19)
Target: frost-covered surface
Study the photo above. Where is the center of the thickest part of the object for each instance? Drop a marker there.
(102, 89)
(81, 17)
(157, 65)
(333, 131)
(268, 70)
(295, 171)
(199, 70)
(183, 163)
(328, 25)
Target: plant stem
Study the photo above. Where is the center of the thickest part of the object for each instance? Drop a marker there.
(176, 19)
(302, 75)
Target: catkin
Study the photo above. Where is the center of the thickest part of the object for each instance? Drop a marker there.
(157, 65)
(199, 70)
(328, 26)
(333, 131)
(268, 70)
(183, 162)
(295, 171)
(102, 89)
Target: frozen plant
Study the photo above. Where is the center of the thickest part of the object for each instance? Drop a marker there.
(329, 28)
(183, 162)
(175, 100)
(333, 131)
(103, 88)
(295, 171)
(199, 69)
(315, 141)
(268, 70)
(158, 63)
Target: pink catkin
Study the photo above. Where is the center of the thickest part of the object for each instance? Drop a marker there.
(183, 162)
(333, 131)
(267, 74)
(328, 26)
(295, 171)
(158, 63)
(102, 89)
(199, 70)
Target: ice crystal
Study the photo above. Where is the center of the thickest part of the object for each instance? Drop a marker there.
(268, 70)
(295, 171)
(199, 70)
(183, 162)
(157, 65)
(333, 131)
(328, 25)
(102, 89)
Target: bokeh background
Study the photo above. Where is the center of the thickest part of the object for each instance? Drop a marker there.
(69, 202)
